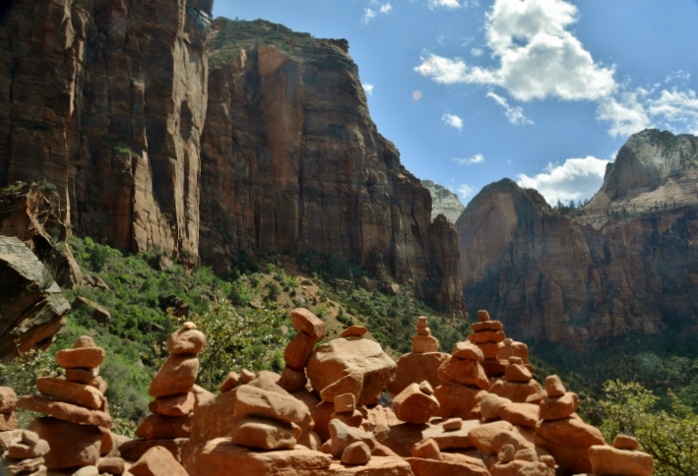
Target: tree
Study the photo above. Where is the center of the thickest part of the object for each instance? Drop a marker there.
(670, 437)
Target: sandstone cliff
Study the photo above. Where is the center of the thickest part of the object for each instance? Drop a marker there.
(556, 278)
(291, 162)
(443, 201)
(106, 100)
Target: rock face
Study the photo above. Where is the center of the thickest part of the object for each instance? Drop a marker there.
(443, 201)
(107, 102)
(31, 303)
(292, 162)
(626, 263)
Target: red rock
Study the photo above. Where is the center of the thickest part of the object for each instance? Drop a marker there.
(89, 357)
(82, 375)
(414, 406)
(482, 436)
(345, 403)
(416, 368)
(112, 465)
(493, 326)
(452, 439)
(356, 331)
(424, 343)
(467, 351)
(341, 357)
(483, 315)
(489, 350)
(513, 438)
(177, 375)
(510, 348)
(357, 453)
(625, 442)
(401, 438)
(186, 340)
(537, 397)
(557, 408)
(100, 384)
(486, 337)
(292, 380)
(554, 386)
(516, 392)
(132, 450)
(457, 400)
(569, 440)
(342, 435)
(24, 467)
(322, 414)
(230, 382)
(70, 392)
(157, 461)
(70, 444)
(155, 427)
(607, 460)
(464, 372)
(252, 400)
(427, 448)
(524, 414)
(8, 422)
(23, 444)
(298, 351)
(65, 411)
(305, 321)
(431, 467)
(490, 405)
(174, 405)
(517, 373)
(8, 400)
(264, 434)
(354, 418)
(246, 376)
(452, 424)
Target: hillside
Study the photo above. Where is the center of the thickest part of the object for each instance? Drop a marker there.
(443, 201)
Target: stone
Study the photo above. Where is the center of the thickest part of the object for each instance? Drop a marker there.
(457, 400)
(398, 439)
(482, 436)
(292, 380)
(264, 403)
(625, 442)
(305, 321)
(559, 407)
(416, 368)
(80, 357)
(263, 434)
(176, 376)
(452, 424)
(427, 448)
(489, 351)
(298, 351)
(517, 373)
(230, 382)
(569, 440)
(27, 445)
(490, 404)
(354, 418)
(516, 392)
(414, 406)
(69, 444)
(8, 400)
(342, 435)
(426, 388)
(424, 343)
(607, 460)
(510, 348)
(423, 331)
(354, 331)
(82, 375)
(537, 397)
(342, 357)
(155, 427)
(483, 315)
(186, 340)
(87, 471)
(357, 453)
(514, 438)
(157, 461)
(486, 337)
(71, 392)
(322, 414)
(483, 326)
(132, 450)
(467, 351)
(554, 386)
(24, 466)
(432, 467)
(246, 376)
(464, 372)
(173, 405)
(523, 414)
(8, 422)
(65, 411)
(112, 465)
(452, 439)
(345, 403)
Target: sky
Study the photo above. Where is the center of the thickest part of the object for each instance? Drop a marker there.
(544, 92)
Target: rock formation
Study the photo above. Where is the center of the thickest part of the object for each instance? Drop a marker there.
(623, 264)
(443, 201)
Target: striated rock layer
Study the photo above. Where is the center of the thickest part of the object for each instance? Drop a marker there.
(626, 263)
(443, 201)
(291, 162)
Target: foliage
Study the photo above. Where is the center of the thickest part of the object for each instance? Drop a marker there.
(237, 339)
(671, 437)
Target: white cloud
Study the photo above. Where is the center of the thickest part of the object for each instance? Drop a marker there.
(625, 114)
(514, 114)
(673, 109)
(448, 4)
(476, 52)
(368, 87)
(679, 76)
(377, 8)
(465, 191)
(538, 58)
(576, 179)
(475, 159)
(452, 120)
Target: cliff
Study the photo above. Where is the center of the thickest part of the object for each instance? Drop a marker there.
(292, 163)
(557, 278)
(443, 201)
(106, 100)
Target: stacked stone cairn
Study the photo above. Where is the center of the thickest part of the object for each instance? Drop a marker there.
(517, 383)
(77, 426)
(8, 403)
(22, 453)
(424, 341)
(488, 335)
(465, 382)
(169, 423)
(310, 331)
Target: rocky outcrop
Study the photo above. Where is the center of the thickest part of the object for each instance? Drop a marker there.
(443, 201)
(626, 263)
(292, 162)
(106, 100)
(31, 303)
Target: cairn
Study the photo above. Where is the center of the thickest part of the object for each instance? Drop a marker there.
(77, 426)
(310, 330)
(465, 382)
(22, 453)
(8, 403)
(517, 383)
(488, 335)
(169, 423)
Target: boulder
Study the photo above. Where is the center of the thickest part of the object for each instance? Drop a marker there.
(264, 434)
(154, 427)
(70, 444)
(483, 435)
(173, 405)
(88, 357)
(416, 368)
(304, 320)
(609, 461)
(71, 392)
(157, 461)
(176, 376)
(457, 400)
(298, 351)
(357, 453)
(186, 340)
(413, 405)
(464, 372)
(65, 411)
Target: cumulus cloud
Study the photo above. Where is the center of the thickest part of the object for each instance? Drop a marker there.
(475, 159)
(576, 179)
(537, 56)
(465, 191)
(376, 8)
(368, 87)
(625, 114)
(452, 120)
(448, 4)
(514, 114)
(476, 52)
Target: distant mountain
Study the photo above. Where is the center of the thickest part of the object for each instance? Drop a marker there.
(443, 201)
(626, 263)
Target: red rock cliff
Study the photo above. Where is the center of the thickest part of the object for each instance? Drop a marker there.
(293, 163)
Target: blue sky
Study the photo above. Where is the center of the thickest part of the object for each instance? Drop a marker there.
(544, 92)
